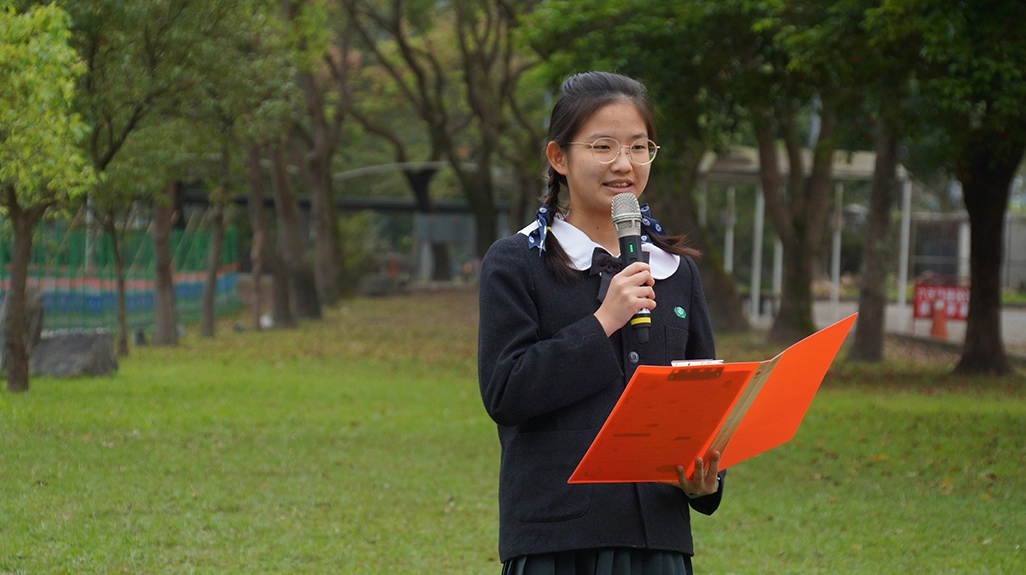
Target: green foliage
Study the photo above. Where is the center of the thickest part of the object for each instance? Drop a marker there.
(309, 33)
(421, 76)
(154, 64)
(969, 81)
(358, 444)
(263, 74)
(39, 158)
(160, 151)
(362, 244)
(176, 91)
(706, 63)
(667, 46)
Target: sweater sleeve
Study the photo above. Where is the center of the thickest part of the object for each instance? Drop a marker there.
(708, 504)
(522, 375)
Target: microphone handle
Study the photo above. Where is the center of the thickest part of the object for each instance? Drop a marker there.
(630, 252)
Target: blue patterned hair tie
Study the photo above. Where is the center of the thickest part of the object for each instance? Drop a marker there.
(649, 225)
(536, 239)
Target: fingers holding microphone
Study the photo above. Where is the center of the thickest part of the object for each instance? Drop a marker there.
(630, 291)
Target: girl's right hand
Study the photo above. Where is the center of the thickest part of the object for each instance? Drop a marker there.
(629, 292)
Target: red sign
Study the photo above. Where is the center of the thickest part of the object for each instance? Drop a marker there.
(955, 300)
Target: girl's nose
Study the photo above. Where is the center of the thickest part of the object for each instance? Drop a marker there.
(622, 163)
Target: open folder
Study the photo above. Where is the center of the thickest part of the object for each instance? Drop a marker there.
(668, 416)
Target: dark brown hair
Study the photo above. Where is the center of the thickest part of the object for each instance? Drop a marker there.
(580, 96)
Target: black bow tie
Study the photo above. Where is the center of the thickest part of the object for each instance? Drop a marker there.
(605, 266)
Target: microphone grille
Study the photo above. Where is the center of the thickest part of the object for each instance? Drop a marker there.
(625, 205)
(626, 215)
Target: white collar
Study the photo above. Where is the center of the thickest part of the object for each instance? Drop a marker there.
(580, 248)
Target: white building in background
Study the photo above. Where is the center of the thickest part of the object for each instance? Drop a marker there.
(940, 245)
(740, 165)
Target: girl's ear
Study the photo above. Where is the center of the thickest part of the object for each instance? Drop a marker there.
(557, 159)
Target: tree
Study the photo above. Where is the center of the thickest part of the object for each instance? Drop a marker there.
(262, 249)
(480, 72)
(144, 165)
(264, 113)
(41, 167)
(323, 62)
(798, 58)
(884, 72)
(237, 98)
(869, 331)
(676, 50)
(302, 283)
(165, 325)
(969, 84)
(219, 198)
(527, 109)
(385, 114)
(142, 59)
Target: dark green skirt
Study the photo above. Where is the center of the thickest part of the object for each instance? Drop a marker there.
(607, 561)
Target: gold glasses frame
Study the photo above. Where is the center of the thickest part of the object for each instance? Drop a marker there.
(651, 145)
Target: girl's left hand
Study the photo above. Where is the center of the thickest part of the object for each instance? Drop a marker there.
(703, 481)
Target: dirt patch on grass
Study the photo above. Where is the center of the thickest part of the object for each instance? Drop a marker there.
(921, 367)
(920, 353)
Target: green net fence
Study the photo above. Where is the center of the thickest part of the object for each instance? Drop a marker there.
(75, 273)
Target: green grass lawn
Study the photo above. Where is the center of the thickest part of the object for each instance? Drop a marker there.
(358, 444)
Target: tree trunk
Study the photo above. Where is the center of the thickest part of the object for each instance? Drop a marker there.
(483, 206)
(207, 322)
(477, 188)
(165, 328)
(672, 196)
(720, 288)
(16, 359)
(321, 140)
(800, 220)
(883, 194)
(301, 276)
(281, 289)
(526, 194)
(794, 320)
(119, 283)
(324, 226)
(420, 185)
(259, 225)
(986, 177)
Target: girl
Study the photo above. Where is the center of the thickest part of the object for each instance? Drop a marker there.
(554, 355)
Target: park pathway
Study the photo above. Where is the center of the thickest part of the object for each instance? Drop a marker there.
(1013, 323)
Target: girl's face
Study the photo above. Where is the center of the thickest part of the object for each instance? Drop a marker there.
(592, 184)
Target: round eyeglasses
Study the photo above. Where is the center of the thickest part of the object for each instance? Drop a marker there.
(607, 150)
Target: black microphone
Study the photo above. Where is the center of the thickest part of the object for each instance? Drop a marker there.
(627, 221)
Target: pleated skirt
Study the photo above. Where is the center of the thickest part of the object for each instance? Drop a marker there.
(605, 561)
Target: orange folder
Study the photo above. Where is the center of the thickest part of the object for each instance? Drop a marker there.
(668, 416)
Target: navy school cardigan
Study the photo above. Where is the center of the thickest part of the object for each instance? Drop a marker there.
(549, 377)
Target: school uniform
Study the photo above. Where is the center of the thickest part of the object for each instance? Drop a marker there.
(549, 377)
